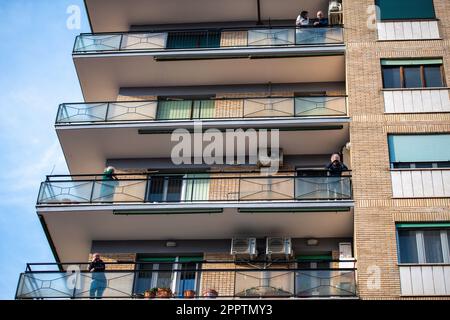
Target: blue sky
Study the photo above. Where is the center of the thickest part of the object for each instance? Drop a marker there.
(37, 74)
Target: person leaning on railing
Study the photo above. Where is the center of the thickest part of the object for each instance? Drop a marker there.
(320, 20)
(336, 166)
(108, 186)
(337, 188)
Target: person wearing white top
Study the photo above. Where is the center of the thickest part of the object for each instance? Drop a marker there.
(302, 19)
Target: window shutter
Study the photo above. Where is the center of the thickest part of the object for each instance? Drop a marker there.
(405, 9)
(419, 148)
(172, 110)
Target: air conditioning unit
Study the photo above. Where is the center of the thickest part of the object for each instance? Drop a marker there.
(278, 247)
(265, 158)
(244, 248)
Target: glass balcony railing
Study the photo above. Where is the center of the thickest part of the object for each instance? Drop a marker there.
(162, 40)
(163, 110)
(188, 188)
(187, 280)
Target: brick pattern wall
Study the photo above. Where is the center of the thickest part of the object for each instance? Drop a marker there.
(117, 257)
(233, 38)
(222, 282)
(376, 212)
(135, 98)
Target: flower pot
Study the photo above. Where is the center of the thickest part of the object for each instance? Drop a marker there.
(149, 294)
(211, 293)
(189, 294)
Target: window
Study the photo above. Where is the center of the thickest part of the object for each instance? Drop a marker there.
(391, 77)
(408, 244)
(422, 243)
(165, 188)
(178, 188)
(429, 151)
(423, 73)
(184, 109)
(405, 9)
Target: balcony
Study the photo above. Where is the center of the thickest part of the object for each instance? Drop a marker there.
(130, 281)
(201, 39)
(194, 188)
(92, 133)
(76, 210)
(253, 55)
(212, 109)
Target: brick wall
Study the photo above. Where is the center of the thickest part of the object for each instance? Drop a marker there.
(117, 257)
(233, 38)
(376, 212)
(221, 281)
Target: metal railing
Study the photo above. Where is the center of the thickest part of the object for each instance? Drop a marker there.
(161, 40)
(189, 188)
(132, 280)
(184, 109)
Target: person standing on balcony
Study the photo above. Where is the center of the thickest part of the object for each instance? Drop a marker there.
(108, 185)
(98, 284)
(337, 187)
(302, 19)
(301, 36)
(320, 21)
(336, 167)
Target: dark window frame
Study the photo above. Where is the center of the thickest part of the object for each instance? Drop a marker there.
(445, 255)
(422, 76)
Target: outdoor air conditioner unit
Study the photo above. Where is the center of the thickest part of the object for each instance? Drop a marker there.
(265, 158)
(244, 248)
(278, 247)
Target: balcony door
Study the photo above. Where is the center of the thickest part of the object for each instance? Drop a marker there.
(177, 273)
(165, 188)
(178, 188)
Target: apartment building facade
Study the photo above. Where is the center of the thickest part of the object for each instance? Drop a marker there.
(367, 84)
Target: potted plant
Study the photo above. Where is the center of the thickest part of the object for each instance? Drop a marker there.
(164, 293)
(151, 293)
(211, 293)
(189, 294)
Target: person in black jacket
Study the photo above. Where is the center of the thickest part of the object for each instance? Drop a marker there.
(338, 187)
(98, 285)
(336, 167)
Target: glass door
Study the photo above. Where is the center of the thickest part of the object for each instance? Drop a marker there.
(314, 277)
(165, 188)
(176, 273)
